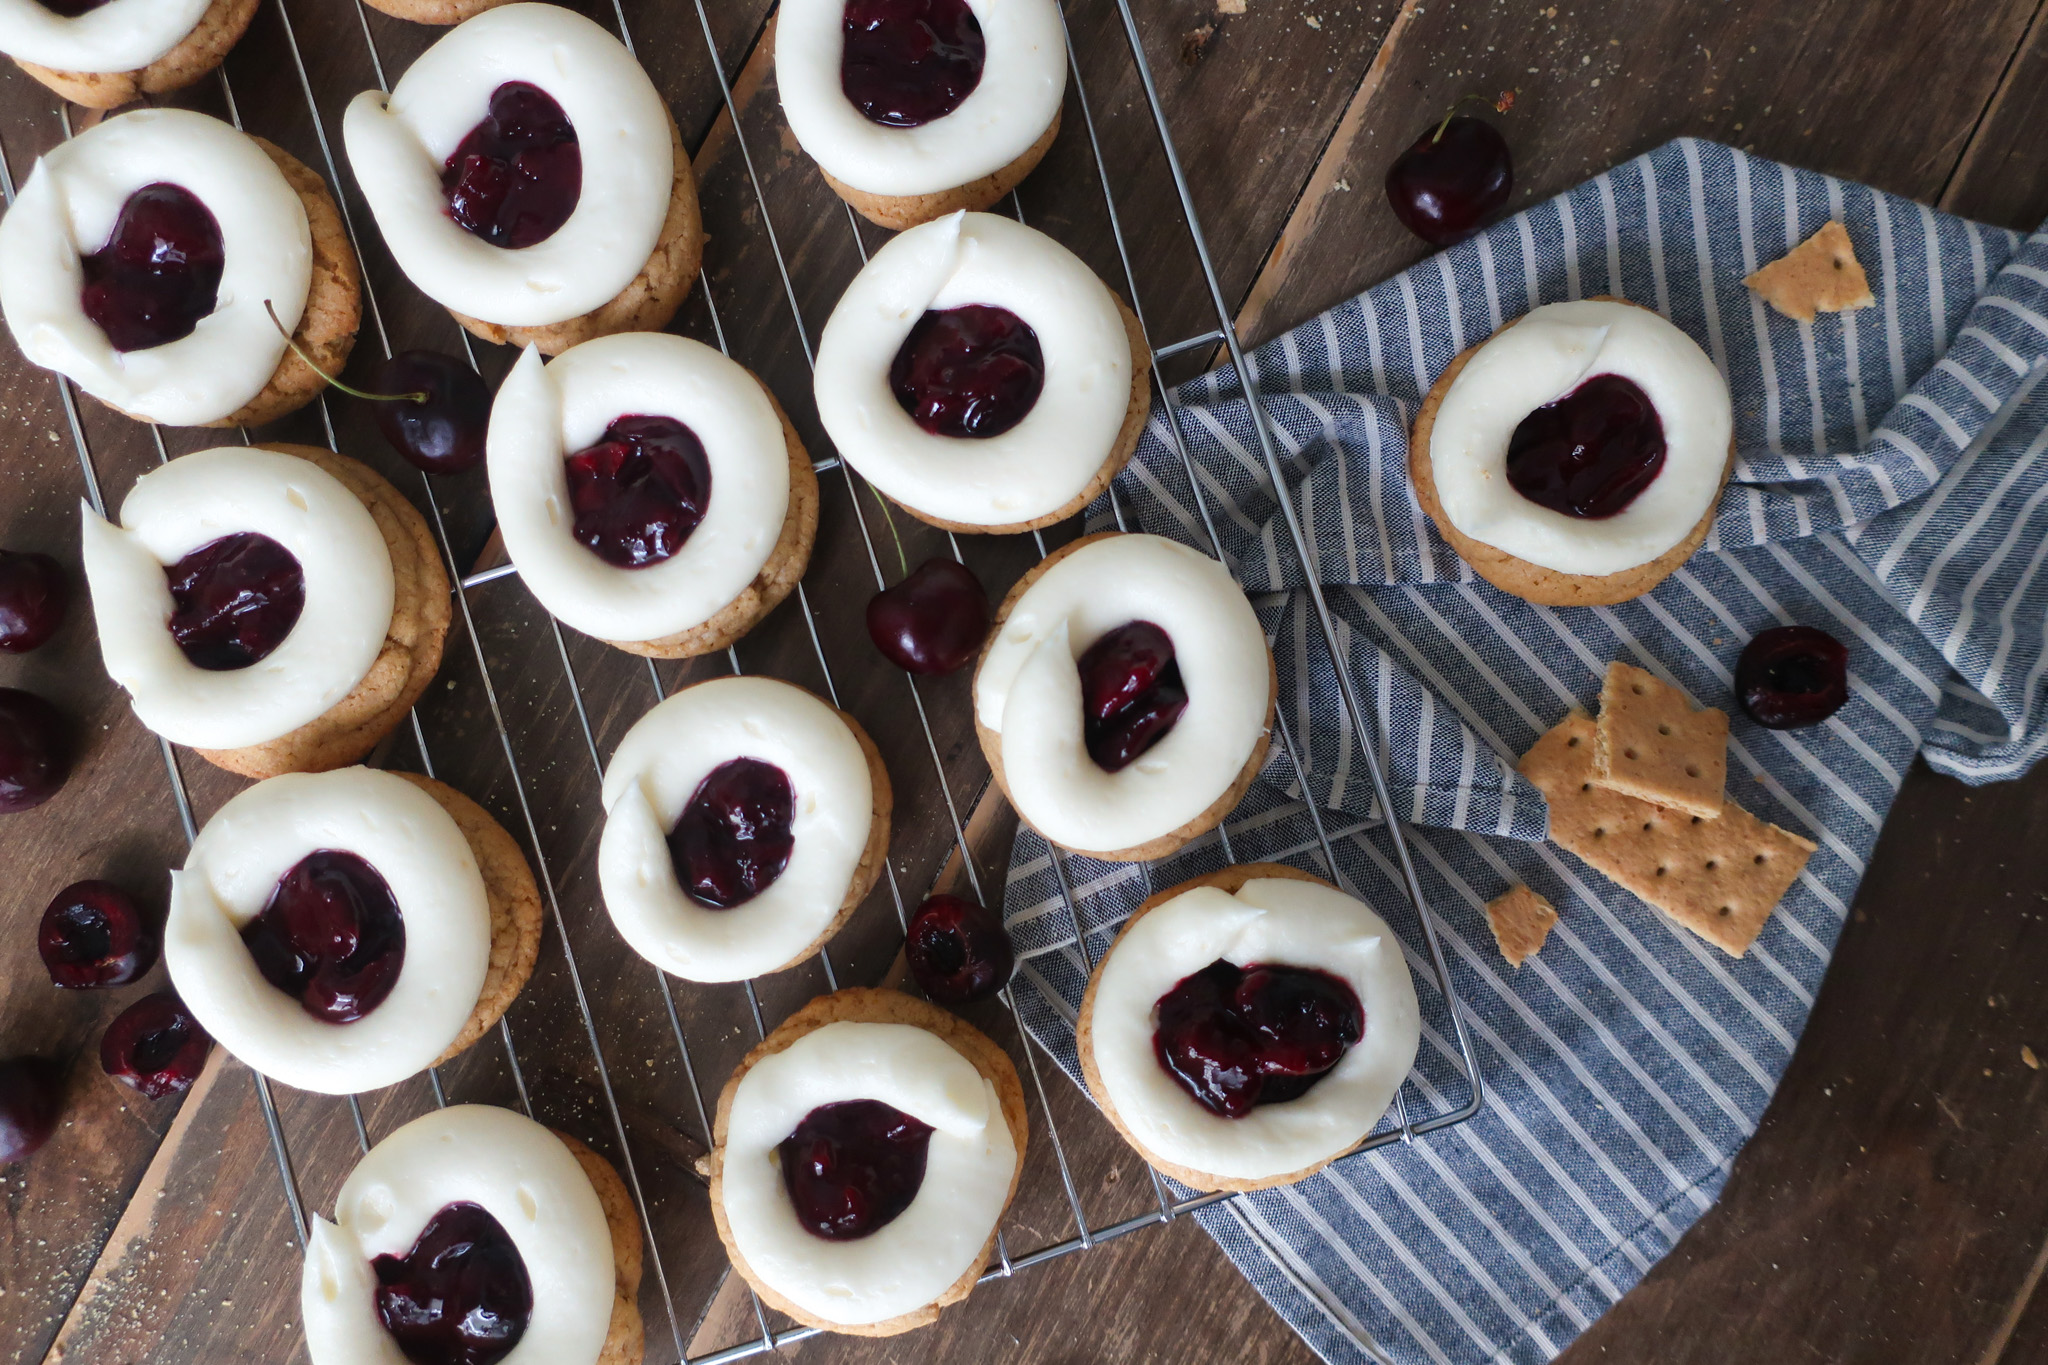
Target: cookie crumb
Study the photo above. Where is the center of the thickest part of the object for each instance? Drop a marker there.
(1820, 275)
(2027, 1056)
(1521, 921)
(1192, 43)
(1230, 6)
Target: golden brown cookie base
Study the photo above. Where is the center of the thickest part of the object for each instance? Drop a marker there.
(779, 576)
(434, 11)
(992, 741)
(651, 299)
(1509, 573)
(899, 211)
(861, 1004)
(1229, 880)
(412, 647)
(195, 56)
(625, 1343)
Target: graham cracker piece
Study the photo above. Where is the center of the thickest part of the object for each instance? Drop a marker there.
(1719, 878)
(1651, 744)
(1821, 274)
(1520, 920)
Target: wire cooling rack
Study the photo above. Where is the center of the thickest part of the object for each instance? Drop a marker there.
(1403, 1125)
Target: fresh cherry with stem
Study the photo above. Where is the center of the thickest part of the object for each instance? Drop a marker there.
(933, 621)
(33, 596)
(1454, 177)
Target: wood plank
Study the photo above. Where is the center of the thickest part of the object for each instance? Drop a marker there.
(2002, 177)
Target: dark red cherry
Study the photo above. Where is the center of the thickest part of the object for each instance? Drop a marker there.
(35, 750)
(1790, 677)
(33, 596)
(1238, 1037)
(156, 1046)
(330, 937)
(933, 621)
(461, 1296)
(908, 62)
(970, 372)
(516, 177)
(1131, 693)
(1454, 177)
(734, 839)
(444, 434)
(1592, 452)
(94, 934)
(959, 950)
(234, 600)
(159, 273)
(639, 493)
(852, 1167)
(31, 1097)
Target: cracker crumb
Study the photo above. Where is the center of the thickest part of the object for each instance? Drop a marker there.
(2027, 1056)
(1230, 6)
(1521, 920)
(1820, 275)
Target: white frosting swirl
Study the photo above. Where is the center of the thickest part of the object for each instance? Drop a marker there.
(196, 499)
(543, 414)
(399, 144)
(121, 35)
(1539, 360)
(1045, 461)
(467, 1153)
(68, 209)
(1028, 690)
(1023, 79)
(915, 1258)
(235, 866)
(1276, 921)
(658, 768)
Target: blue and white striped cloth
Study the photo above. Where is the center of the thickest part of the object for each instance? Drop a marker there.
(1891, 488)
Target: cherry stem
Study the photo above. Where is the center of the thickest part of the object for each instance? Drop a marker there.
(895, 535)
(1501, 103)
(419, 397)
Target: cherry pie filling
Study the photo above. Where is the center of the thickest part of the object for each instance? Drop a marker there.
(851, 1168)
(734, 837)
(461, 1296)
(1238, 1037)
(158, 273)
(331, 936)
(514, 179)
(639, 493)
(234, 600)
(1592, 452)
(910, 62)
(1131, 693)
(970, 372)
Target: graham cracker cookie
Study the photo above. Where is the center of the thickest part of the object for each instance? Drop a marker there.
(412, 647)
(1820, 275)
(992, 741)
(1521, 920)
(626, 1341)
(440, 12)
(900, 211)
(1650, 743)
(1719, 878)
(874, 1005)
(195, 56)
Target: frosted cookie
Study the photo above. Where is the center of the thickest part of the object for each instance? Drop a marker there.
(1249, 1027)
(474, 1234)
(651, 492)
(914, 109)
(528, 178)
(277, 608)
(982, 377)
(342, 931)
(105, 54)
(434, 11)
(138, 258)
(864, 1154)
(1125, 697)
(1576, 457)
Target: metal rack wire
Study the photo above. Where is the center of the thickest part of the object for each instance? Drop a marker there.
(1404, 1126)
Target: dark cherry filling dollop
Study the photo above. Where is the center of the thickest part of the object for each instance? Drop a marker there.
(461, 1296)
(234, 600)
(852, 1167)
(1790, 677)
(1592, 452)
(910, 62)
(969, 372)
(331, 936)
(515, 179)
(640, 491)
(1239, 1037)
(1131, 693)
(159, 273)
(734, 838)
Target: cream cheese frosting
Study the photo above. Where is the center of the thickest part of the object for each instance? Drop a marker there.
(1539, 360)
(544, 413)
(197, 499)
(68, 209)
(399, 143)
(228, 878)
(1045, 461)
(1269, 920)
(915, 1258)
(120, 35)
(467, 1153)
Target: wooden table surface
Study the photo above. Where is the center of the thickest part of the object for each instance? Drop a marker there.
(1894, 1206)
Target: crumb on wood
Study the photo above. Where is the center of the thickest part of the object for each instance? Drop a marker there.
(1230, 6)
(1192, 43)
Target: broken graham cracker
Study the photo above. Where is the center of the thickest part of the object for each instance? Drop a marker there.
(1650, 743)
(1821, 274)
(1719, 878)
(1520, 920)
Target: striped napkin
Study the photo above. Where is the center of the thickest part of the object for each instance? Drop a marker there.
(1889, 488)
